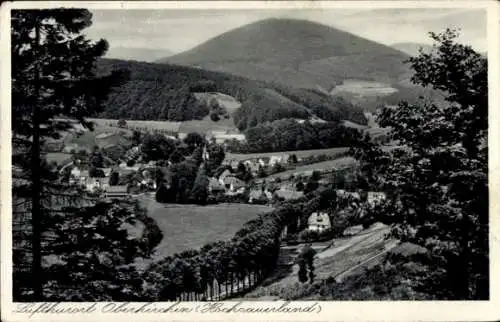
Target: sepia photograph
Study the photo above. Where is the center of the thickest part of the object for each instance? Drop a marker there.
(240, 155)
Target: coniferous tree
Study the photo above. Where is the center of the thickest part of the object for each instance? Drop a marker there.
(52, 75)
(199, 193)
(438, 184)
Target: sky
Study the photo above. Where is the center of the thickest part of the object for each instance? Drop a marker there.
(177, 30)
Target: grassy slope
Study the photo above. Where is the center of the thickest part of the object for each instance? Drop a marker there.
(345, 253)
(295, 52)
(320, 166)
(302, 153)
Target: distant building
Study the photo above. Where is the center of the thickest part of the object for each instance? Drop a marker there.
(343, 193)
(233, 184)
(107, 171)
(94, 184)
(116, 192)
(318, 221)
(374, 198)
(215, 186)
(259, 194)
(223, 175)
(275, 159)
(252, 165)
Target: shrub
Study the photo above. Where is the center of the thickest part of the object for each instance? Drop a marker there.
(214, 117)
(122, 123)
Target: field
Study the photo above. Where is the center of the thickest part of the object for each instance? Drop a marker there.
(190, 227)
(57, 157)
(364, 88)
(299, 154)
(200, 126)
(320, 166)
(207, 125)
(152, 125)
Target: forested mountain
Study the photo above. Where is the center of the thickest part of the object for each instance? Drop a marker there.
(165, 92)
(299, 53)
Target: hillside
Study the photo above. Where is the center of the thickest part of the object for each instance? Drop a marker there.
(169, 92)
(139, 54)
(299, 53)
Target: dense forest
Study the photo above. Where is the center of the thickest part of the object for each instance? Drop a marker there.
(290, 135)
(165, 92)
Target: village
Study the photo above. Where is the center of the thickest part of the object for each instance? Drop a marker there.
(269, 178)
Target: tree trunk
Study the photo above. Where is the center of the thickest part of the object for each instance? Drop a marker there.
(464, 260)
(231, 280)
(36, 211)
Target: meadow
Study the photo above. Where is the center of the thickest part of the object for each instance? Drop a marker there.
(364, 88)
(299, 154)
(190, 226)
(319, 166)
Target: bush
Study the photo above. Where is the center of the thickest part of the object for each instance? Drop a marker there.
(122, 123)
(214, 117)
(130, 163)
(96, 173)
(309, 236)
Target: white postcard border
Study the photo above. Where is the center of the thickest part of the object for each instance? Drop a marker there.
(339, 311)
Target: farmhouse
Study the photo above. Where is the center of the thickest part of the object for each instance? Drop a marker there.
(223, 175)
(318, 221)
(116, 192)
(259, 194)
(233, 184)
(215, 186)
(92, 184)
(252, 165)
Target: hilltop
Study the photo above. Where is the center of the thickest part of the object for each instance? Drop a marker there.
(169, 92)
(298, 53)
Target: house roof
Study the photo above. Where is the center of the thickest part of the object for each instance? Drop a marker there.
(224, 174)
(213, 183)
(376, 194)
(342, 193)
(255, 193)
(233, 181)
(117, 189)
(319, 218)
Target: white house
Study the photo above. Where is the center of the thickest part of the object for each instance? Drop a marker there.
(92, 184)
(319, 221)
(275, 159)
